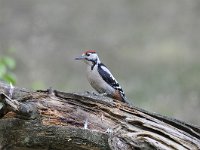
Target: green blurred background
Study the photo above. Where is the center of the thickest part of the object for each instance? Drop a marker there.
(152, 48)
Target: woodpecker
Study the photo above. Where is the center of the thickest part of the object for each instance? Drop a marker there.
(100, 78)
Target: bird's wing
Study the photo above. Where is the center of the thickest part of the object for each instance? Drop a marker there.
(107, 76)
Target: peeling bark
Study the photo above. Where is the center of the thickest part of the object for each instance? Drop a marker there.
(56, 120)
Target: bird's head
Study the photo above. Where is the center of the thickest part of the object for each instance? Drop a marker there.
(90, 57)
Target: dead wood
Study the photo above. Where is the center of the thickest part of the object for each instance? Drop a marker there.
(56, 120)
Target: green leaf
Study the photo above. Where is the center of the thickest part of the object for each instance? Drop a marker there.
(10, 78)
(2, 70)
(9, 62)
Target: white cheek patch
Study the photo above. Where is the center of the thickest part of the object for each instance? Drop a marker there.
(93, 56)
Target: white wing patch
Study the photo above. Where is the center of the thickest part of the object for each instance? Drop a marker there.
(110, 74)
(108, 77)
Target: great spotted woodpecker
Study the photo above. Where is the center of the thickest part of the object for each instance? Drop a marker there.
(100, 78)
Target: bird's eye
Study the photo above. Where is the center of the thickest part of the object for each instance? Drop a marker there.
(87, 54)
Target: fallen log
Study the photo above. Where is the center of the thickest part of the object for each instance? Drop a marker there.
(50, 119)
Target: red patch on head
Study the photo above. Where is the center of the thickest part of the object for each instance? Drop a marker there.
(89, 51)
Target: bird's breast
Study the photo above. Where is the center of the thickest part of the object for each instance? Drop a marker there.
(97, 82)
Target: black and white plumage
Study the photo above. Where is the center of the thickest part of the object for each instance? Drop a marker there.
(100, 78)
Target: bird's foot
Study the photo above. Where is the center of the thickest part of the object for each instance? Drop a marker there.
(99, 94)
(103, 94)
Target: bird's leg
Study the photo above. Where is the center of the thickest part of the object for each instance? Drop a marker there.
(94, 93)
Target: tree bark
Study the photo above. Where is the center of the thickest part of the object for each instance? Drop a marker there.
(57, 120)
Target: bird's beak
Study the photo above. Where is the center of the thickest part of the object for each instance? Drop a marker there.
(80, 58)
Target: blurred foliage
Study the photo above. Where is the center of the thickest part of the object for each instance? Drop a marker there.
(7, 65)
(151, 47)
